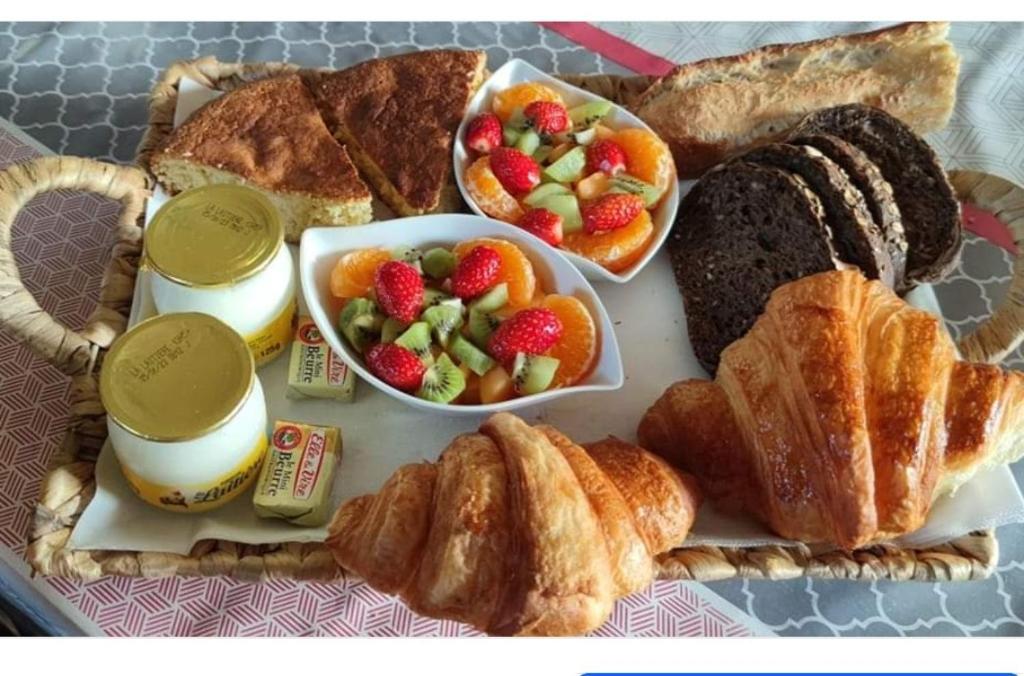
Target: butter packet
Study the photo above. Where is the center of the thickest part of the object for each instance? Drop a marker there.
(298, 473)
(314, 369)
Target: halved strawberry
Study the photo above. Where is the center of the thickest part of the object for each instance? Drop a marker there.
(533, 331)
(607, 156)
(611, 212)
(396, 366)
(484, 133)
(544, 224)
(517, 171)
(547, 117)
(476, 273)
(399, 290)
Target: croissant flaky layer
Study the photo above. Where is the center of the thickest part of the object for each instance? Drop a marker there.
(517, 530)
(840, 416)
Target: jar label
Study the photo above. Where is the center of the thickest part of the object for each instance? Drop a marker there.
(201, 497)
(270, 341)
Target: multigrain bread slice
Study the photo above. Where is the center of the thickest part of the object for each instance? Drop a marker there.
(877, 192)
(927, 202)
(856, 236)
(717, 107)
(269, 135)
(398, 117)
(742, 231)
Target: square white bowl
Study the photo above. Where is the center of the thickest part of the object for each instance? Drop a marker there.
(516, 71)
(321, 247)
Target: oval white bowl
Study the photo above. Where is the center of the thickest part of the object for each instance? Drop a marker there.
(321, 248)
(516, 71)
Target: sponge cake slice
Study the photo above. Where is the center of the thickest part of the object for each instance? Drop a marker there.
(398, 117)
(269, 135)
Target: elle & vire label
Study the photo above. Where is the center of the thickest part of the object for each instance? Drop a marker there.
(315, 370)
(297, 476)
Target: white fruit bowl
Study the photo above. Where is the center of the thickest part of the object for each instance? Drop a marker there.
(516, 71)
(322, 247)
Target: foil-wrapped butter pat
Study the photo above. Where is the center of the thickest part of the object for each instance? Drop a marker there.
(298, 473)
(315, 370)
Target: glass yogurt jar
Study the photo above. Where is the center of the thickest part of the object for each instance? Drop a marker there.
(220, 250)
(185, 411)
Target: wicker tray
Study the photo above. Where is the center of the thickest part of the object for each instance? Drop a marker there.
(69, 483)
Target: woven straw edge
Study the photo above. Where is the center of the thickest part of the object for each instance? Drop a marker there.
(69, 484)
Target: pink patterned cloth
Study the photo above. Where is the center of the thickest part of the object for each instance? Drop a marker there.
(61, 242)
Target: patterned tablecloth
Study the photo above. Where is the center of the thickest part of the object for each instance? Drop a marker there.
(81, 89)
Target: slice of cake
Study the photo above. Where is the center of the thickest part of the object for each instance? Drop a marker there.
(398, 117)
(269, 135)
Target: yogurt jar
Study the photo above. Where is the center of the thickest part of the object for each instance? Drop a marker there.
(220, 250)
(185, 411)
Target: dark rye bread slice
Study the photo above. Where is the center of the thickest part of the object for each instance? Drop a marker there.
(742, 231)
(877, 192)
(928, 205)
(856, 236)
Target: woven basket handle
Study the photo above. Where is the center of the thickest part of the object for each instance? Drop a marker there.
(20, 314)
(1000, 334)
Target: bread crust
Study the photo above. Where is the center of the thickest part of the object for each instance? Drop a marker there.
(712, 108)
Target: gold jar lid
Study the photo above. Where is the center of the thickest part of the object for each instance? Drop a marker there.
(176, 376)
(213, 236)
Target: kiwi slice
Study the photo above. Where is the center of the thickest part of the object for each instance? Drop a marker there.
(360, 322)
(444, 320)
(442, 382)
(528, 141)
(567, 168)
(533, 373)
(469, 354)
(481, 326)
(417, 339)
(588, 114)
(624, 183)
(391, 329)
(495, 299)
(545, 190)
(433, 297)
(542, 152)
(584, 136)
(566, 206)
(509, 135)
(410, 255)
(439, 262)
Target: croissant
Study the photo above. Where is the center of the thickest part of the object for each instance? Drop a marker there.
(517, 530)
(840, 416)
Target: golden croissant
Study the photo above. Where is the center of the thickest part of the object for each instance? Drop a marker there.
(517, 530)
(840, 416)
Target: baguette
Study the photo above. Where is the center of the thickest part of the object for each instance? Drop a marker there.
(711, 109)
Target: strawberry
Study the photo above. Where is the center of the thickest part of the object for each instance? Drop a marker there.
(611, 212)
(517, 171)
(544, 224)
(533, 331)
(607, 156)
(399, 290)
(547, 117)
(396, 366)
(484, 133)
(476, 273)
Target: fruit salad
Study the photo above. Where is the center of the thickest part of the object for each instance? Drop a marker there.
(468, 324)
(563, 175)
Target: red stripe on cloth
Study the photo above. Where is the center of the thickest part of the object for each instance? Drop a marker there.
(984, 224)
(610, 47)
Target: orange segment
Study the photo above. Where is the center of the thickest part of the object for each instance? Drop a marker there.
(577, 349)
(521, 95)
(647, 156)
(488, 193)
(516, 269)
(352, 276)
(614, 250)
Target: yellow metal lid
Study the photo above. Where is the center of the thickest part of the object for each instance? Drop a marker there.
(213, 236)
(176, 376)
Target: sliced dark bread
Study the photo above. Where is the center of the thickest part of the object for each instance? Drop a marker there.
(856, 236)
(877, 192)
(928, 205)
(742, 231)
